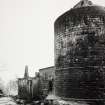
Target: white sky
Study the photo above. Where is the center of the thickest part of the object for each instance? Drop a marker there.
(27, 34)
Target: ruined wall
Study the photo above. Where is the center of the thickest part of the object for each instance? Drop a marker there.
(80, 53)
(46, 74)
(35, 89)
(29, 88)
(23, 88)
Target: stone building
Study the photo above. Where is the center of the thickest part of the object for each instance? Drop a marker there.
(47, 80)
(29, 87)
(80, 53)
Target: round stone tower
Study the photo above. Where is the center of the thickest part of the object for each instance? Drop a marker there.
(80, 52)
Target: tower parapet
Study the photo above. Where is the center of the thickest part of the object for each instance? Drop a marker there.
(83, 3)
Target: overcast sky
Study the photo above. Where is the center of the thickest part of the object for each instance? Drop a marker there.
(27, 34)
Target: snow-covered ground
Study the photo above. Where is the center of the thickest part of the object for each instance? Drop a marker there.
(7, 101)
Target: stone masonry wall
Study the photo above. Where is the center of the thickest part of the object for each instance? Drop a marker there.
(80, 55)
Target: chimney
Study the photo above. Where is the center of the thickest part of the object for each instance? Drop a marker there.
(26, 75)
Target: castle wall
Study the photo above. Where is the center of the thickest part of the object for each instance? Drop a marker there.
(80, 53)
